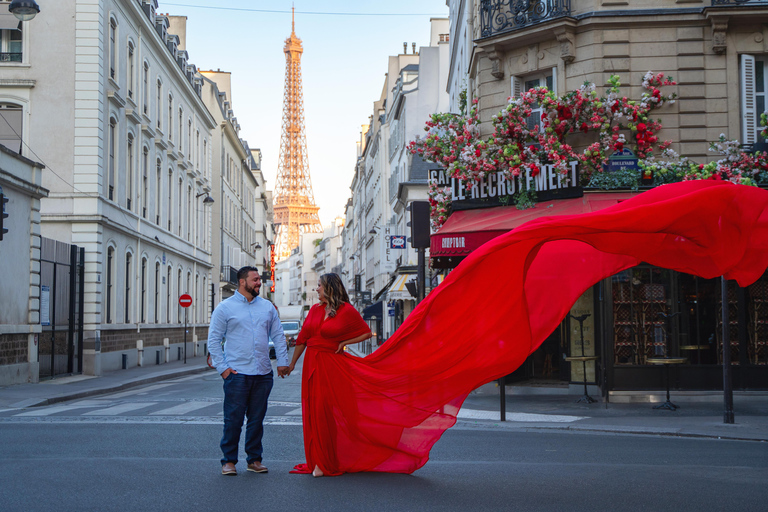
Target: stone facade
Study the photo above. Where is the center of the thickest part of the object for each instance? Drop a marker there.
(697, 44)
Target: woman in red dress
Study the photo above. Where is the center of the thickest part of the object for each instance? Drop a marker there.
(384, 412)
(330, 326)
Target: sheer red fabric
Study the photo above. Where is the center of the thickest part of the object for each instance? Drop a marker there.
(384, 412)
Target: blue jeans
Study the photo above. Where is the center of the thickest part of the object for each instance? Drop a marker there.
(244, 395)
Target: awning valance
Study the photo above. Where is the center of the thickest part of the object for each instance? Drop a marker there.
(466, 230)
(398, 291)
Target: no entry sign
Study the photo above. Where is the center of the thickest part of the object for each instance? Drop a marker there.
(185, 300)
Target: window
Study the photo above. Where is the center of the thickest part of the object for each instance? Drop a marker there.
(129, 174)
(112, 48)
(131, 69)
(181, 203)
(170, 117)
(143, 308)
(10, 125)
(10, 43)
(189, 139)
(146, 88)
(159, 104)
(110, 284)
(189, 213)
(111, 164)
(170, 198)
(157, 292)
(179, 292)
(168, 297)
(753, 96)
(158, 189)
(205, 157)
(145, 182)
(127, 316)
(181, 127)
(519, 85)
(197, 151)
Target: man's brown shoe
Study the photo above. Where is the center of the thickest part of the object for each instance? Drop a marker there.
(257, 467)
(229, 469)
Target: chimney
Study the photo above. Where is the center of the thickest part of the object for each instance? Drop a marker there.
(405, 48)
(413, 45)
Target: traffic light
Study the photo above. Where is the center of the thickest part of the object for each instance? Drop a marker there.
(3, 215)
(419, 224)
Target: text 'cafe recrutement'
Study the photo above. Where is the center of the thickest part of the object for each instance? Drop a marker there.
(634, 317)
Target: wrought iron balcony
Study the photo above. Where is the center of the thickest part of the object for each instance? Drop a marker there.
(499, 16)
(229, 275)
(10, 57)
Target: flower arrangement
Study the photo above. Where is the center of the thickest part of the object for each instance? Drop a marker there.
(520, 144)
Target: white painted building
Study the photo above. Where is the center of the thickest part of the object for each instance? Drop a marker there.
(112, 107)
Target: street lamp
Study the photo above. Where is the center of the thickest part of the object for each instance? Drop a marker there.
(256, 246)
(373, 230)
(208, 199)
(25, 10)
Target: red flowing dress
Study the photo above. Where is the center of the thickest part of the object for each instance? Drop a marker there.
(384, 412)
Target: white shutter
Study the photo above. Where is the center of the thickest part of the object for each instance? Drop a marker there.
(554, 80)
(516, 86)
(748, 112)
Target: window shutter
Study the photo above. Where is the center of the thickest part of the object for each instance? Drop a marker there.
(554, 80)
(517, 87)
(748, 113)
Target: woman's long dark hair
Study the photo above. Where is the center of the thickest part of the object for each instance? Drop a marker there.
(335, 293)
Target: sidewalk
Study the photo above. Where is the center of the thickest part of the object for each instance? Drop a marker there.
(534, 409)
(79, 386)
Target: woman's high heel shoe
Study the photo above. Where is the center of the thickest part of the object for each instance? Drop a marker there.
(317, 472)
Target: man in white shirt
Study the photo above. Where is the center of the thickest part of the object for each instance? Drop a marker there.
(238, 341)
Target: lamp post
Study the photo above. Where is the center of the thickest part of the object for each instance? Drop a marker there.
(25, 10)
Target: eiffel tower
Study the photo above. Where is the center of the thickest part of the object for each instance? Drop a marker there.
(294, 204)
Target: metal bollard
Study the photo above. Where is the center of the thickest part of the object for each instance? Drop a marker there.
(125, 361)
(179, 357)
(157, 357)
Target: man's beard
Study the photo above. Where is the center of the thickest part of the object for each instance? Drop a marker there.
(253, 291)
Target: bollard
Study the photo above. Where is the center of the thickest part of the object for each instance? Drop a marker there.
(125, 361)
(179, 357)
(157, 357)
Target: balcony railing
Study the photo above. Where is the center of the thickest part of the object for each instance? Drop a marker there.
(10, 57)
(739, 2)
(499, 16)
(229, 274)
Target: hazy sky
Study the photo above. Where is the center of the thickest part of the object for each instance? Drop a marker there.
(343, 68)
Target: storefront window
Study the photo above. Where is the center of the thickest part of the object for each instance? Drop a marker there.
(658, 312)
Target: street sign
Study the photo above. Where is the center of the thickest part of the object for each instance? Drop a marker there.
(185, 300)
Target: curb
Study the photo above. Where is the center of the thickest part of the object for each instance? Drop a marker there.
(37, 402)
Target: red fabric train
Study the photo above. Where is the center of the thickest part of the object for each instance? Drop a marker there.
(384, 412)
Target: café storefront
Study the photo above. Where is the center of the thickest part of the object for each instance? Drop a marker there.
(629, 321)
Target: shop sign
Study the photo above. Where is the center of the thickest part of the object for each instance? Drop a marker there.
(496, 190)
(397, 242)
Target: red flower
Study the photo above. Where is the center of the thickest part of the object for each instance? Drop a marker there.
(535, 170)
(641, 127)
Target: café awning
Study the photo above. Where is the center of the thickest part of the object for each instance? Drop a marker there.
(398, 291)
(466, 230)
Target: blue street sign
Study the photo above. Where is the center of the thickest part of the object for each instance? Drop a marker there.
(397, 242)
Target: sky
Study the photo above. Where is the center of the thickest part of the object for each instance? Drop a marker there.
(343, 70)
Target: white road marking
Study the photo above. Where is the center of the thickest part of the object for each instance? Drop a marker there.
(138, 391)
(294, 412)
(120, 409)
(471, 414)
(47, 411)
(184, 408)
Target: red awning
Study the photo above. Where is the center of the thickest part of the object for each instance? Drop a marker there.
(466, 230)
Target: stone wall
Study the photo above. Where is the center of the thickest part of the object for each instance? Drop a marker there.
(14, 348)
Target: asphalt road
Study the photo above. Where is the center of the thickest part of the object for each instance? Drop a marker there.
(156, 448)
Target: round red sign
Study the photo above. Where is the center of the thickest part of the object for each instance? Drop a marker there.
(185, 300)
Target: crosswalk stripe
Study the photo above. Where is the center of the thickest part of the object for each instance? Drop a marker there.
(180, 409)
(518, 416)
(120, 409)
(140, 390)
(47, 411)
(294, 412)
